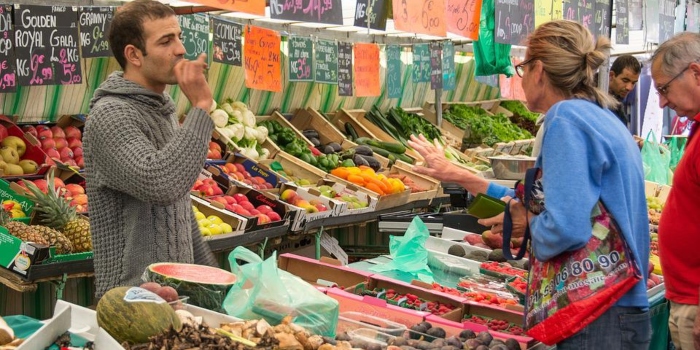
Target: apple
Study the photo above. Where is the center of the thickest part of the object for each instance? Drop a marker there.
(247, 205)
(230, 200)
(230, 168)
(58, 132)
(263, 208)
(213, 154)
(47, 144)
(15, 142)
(42, 184)
(80, 162)
(240, 167)
(69, 162)
(240, 198)
(53, 153)
(77, 151)
(321, 207)
(221, 200)
(242, 211)
(58, 183)
(263, 219)
(73, 142)
(273, 216)
(60, 142)
(28, 166)
(253, 211)
(214, 146)
(66, 153)
(75, 189)
(79, 199)
(72, 132)
(29, 129)
(44, 133)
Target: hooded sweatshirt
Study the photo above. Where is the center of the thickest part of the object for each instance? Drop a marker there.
(140, 166)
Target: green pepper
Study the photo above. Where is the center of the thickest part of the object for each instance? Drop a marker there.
(286, 136)
(293, 149)
(273, 137)
(323, 161)
(306, 157)
(348, 163)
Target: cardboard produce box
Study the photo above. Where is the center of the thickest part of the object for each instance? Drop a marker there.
(430, 185)
(301, 215)
(19, 256)
(33, 147)
(257, 198)
(239, 223)
(371, 306)
(321, 274)
(293, 169)
(342, 188)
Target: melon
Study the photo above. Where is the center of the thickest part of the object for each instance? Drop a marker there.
(133, 314)
(205, 286)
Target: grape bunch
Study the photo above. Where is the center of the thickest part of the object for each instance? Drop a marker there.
(655, 206)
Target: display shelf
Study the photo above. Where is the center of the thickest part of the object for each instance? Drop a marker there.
(218, 245)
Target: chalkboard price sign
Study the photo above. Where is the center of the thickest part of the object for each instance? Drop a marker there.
(321, 11)
(8, 76)
(195, 34)
(301, 59)
(344, 69)
(635, 14)
(602, 18)
(421, 63)
(46, 45)
(622, 24)
(667, 16)
(514, 21)
(435, 65)
(692, 15)
(377, 13)
(393, 71)
(227, 42)
(570, 10)
(326, 57)
(448, 66)
(94, 26)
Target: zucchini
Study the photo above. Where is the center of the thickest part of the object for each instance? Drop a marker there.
(362, 140)
(379, 151)
(350, 130)
(389, 146)
(404, 158)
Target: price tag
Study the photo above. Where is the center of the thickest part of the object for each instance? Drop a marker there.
(8, 75)
(321, 11)
(635, 14)
(420, 16)
(435, 65)
(94, 30)
(262, 59)
(301, 59)
(227, 42)
(421, 63)
(195, 34)
(376, 13)
(326, 62)
(448, 66)
(367, 69)
(46, 45)
(393, 71)
(256, 7)
(667, 18)
(345, 69)
(602, 18)
(463, 17)
(514, 21)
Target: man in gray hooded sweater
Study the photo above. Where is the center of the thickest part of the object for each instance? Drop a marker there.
(140, 162)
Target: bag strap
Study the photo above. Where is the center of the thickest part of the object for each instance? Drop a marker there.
(507, 234)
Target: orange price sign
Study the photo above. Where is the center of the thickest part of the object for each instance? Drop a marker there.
(463, 17)
(420, 16)
(255, 7)
(261, 51)
(366, 69)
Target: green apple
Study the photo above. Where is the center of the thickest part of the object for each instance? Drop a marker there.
(13, 169)
(29, 166)
(15, 142)
(9, 155)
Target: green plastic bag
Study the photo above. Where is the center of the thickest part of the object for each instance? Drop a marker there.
(409, 254)
(263, 290)
(490, 57)
(677, 146)
(656, 159)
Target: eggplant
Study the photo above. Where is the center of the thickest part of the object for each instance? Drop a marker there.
(364, 150)
(371, 162)
(310, 133)
(315, 141)
(359, 160)
(328, 150)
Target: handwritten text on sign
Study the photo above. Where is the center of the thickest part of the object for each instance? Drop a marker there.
(344, 69)
(301, 59)
(420, 16)
(463, 17)
(227, 42)
(195, 34)
(322, 11)
(393, 71)
(435, 65)
(376, 12)
(262, 59)
(667, 16)
(326, 61)
(514, 21)
(46, 45)
(622, 24)
(8, 77)
(448, 66)
(94, 25)
(256, 7)
(602, 18)
(367, 69)
(421, 63)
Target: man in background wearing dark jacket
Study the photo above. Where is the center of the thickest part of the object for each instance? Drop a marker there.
(624, 74)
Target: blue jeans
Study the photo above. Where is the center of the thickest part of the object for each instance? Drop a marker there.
(618, 328)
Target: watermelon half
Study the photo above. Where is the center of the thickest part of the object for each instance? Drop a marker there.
(205, 285)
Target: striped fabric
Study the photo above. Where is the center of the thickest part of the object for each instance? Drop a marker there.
(48, 103)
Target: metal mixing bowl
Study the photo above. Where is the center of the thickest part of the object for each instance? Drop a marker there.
(511, 168)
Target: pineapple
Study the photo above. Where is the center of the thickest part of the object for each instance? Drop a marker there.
(57, 239)
(21, 230)
(56, 212)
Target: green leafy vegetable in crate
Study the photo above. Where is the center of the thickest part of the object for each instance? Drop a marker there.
(483, 128)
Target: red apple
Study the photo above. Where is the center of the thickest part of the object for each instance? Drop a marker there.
(73, 142)
(58, 132)
(66, 153)
(69, 161)
(60, 142)
(213, 154)
(221, 200)
(42, 185)
(217, 191)
(75, 189)
(42, 127)
(73, 132)
(273, 216)
(243, 212)
(80, 199)
(29, 129)
(80, 162)
(263, 219)
(240, 167)
(214, 146)
(240, 198)
(53, 153)
(253, 212)
(264, 208)
(229, 207)
(230, 200)
(48, 144)
(77, 151)
(44, 133)
(197, 184)
(247, 205)
(321, 207)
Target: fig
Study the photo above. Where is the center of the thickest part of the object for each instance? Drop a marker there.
(329, 340)
(472, 344)
(417, 331)
(438, 342)
(512, 344)
(398, 341)
(150, 286)
(424, 345)
(454, 341)
(449, 347)
(406, 347)
(436, 332)
(168, 293)
(426, 324)
(484, 337)
(498, 347)
(467, 334)
(482, 347)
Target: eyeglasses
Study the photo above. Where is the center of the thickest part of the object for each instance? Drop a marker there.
(663, 89)
(520, 68)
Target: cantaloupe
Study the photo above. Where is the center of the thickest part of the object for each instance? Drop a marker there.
(133, 314)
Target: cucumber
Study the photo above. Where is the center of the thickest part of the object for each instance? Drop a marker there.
(389, 146)
(379, 151)
(362, 140)
(350, 130)
(404, 158)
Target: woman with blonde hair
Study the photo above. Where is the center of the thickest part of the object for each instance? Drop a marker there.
(586, 157)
